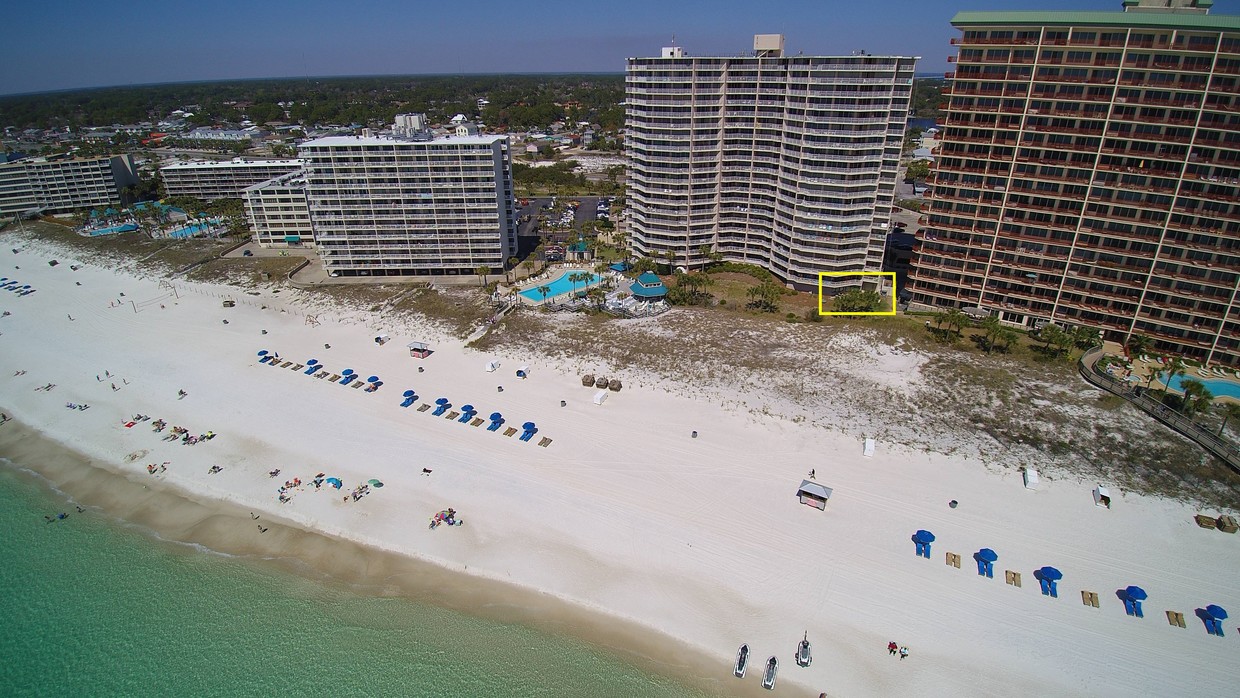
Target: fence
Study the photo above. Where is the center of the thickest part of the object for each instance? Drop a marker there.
(1221, 449)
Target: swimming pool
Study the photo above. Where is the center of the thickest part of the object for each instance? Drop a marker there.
(1217, 387)
(126, 228)
(193, 229)
(559, 286)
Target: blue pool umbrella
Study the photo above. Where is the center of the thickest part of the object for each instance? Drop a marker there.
(312, 362)
(1216, 612)
(468, 408)
(372, 379)
(528, 426)
(347, 372)
(1136, 593)
(496, 415)
(442, 401)
(988, 555)
(923, 536)
(334, 482)
(1052, 574)
(262, 353)
(408, 393)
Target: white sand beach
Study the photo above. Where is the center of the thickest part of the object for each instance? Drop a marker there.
(624, 514)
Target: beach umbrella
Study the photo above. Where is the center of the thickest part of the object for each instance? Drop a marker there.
(988, 555)
(372, 379)
(312, 362)
(347, 372)
(408, 393)
(1136, 593)
(442, 401)
(468, 408)
(495, 416)
(528, 426)
(1051, 574)
(262, 353)
(1216, 612)
(923, 536)
(375, 482)
(334, 482)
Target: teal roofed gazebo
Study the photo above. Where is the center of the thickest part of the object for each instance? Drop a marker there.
(648, 287)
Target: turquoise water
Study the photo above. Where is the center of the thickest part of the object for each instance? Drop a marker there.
(126, 228)
(92, 607)
(559, 286)
(193, 229)
(1217, 386)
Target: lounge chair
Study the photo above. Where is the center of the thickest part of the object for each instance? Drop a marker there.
(286, 364)
(544, 442)
(321, 374)
(440, 410)
(297, 367)
(452, 415)
(477, 422)
(357, 385)
(424, 407)
(335, 377)
(510, 431)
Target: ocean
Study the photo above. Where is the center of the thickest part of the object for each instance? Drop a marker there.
(93, 606)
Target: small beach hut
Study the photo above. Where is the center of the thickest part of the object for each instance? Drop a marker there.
(648, 287)
(922, 539)
(986, 562)
(1133, 596)
(419, 350)
(1048, 577)
(492, 366)
(1102, 497)
(1031, 478)
(813, 494)
(600, 397)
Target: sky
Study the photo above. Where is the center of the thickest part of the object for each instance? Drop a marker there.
(64, 44)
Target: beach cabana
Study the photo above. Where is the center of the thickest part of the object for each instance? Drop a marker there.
(1048, 577)
(1102, 497)
(814, 494)
(922, 539)
(986, 562)
(1133, 596)
(419, 350)
(648, 287)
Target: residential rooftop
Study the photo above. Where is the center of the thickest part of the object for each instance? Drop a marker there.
(226, 164)
(1171, 20)
(386, 140)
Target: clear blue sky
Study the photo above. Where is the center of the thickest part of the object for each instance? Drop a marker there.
(61, 44)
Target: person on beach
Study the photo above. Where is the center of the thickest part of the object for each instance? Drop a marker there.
(903, 653)
(892, 648)
(811, 473)
(114, 388)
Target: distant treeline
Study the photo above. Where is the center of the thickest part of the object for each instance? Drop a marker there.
(516, 101)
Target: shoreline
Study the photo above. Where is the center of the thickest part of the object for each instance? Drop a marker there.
(170, 515)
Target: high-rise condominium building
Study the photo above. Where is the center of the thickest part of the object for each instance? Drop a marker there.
(278, 212)
(227, 179)
(64, 184)
(1089, 175)
(787, 162)
(405, 206)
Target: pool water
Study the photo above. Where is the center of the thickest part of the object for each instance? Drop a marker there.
(193, 229)
(559, 286)
(126, 228)
(1218, 387)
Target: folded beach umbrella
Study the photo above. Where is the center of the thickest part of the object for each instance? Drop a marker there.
(1136, 593)
(528, 426)
(988, 555)
(312, 362)
(496, 416)
(1216, 612)
(468, 408)
(334, 482)
(347, 372)
(1051, 574)
(441, 401)
(375, 483)
(923, 536)
(408, 393)
(372, 379)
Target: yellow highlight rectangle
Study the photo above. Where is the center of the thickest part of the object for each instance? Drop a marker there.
(892, 274)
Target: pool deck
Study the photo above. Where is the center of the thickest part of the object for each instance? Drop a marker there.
(551, 275)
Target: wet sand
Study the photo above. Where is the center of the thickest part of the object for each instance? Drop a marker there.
(170, 514)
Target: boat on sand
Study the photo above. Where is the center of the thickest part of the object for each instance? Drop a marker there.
(768, 676)
(742, 662)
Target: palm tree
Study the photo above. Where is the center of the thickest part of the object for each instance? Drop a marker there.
(1175, 367)
(671, 260)
(1196, 396)
(955, 320)
(512, 264)
(1138, 345)
(992, 328)
(482, 273)
(1006, 338)
(1230, 411)
(544, 290)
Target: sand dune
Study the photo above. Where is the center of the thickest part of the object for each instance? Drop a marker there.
(700, 539)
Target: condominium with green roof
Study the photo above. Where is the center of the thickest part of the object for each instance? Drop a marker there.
(1088, 174)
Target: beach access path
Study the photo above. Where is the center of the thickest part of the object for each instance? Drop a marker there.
(625, 514)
